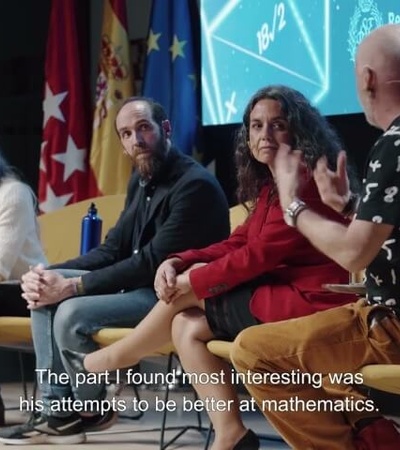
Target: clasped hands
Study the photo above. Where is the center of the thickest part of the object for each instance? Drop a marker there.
(43, 287)
(172, 281)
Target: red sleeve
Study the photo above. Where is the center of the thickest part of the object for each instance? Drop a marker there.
(236, 240)
(263, 252)
(270, 244)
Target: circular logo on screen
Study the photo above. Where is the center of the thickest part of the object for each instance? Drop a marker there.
(365, 5)
(366, 18)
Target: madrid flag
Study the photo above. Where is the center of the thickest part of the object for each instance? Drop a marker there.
(65, 176)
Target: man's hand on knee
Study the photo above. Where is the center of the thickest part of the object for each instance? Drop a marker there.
(46, 287)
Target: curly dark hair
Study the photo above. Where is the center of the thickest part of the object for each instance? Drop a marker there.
(311, 133)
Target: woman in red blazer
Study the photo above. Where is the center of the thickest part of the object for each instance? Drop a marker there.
(264, 272)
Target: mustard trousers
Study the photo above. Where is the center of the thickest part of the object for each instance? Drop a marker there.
(303, 373)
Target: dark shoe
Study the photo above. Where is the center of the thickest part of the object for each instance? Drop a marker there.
(75, 359)
(99, 422)
(249, 441)
(381, 434)
(41, 429)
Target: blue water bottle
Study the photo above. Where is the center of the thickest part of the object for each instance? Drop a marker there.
(91, 230)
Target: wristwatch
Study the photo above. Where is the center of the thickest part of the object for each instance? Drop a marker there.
(79, 289)
(293, 210)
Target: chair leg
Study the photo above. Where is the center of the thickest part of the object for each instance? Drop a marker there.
(2, 412)
(208, 438)
(34, 389)
(140, 414)
(26, 397)
(166, 397)
(180, 430)
(22, 373)
(199, 427)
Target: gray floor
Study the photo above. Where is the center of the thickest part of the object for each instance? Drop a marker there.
(142, 434)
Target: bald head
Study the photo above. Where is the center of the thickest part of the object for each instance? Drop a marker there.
(380, 50)
(378, 75)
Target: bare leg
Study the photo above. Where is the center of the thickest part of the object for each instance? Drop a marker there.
(149, 335)
(190, 332)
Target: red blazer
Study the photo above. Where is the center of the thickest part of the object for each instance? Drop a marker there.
(293, 270)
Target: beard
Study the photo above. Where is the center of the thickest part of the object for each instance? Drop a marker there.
(148, 162)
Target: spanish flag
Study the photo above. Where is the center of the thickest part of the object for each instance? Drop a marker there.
(114, 83)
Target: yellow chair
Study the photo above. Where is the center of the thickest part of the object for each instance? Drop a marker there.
(237, 215)
(385, 377)
(222, 349)
(60, 230)
(15, 332)
(60, 235)
(108, 336)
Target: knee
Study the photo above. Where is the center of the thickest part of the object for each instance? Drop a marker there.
(185, 329)
(244, 350)
(66, 321)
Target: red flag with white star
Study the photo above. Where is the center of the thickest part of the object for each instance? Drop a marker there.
(65, 176)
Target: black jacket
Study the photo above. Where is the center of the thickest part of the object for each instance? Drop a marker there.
(188, 210)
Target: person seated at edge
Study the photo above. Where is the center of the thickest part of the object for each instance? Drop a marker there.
(343, 339)
(266, 271)
(168, 209)
(20, 245)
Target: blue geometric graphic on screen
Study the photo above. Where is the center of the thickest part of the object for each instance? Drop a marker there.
(257, 58)
(306, 44)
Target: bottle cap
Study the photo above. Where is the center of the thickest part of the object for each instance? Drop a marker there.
(92, 209)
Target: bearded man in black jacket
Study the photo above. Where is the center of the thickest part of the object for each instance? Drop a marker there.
(172, 204)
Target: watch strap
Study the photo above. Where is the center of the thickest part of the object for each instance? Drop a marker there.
(293, 211)
(79, 289)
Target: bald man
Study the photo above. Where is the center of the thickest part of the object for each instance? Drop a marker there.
(332, 414)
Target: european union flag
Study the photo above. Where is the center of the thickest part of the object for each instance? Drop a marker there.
(170, 75)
